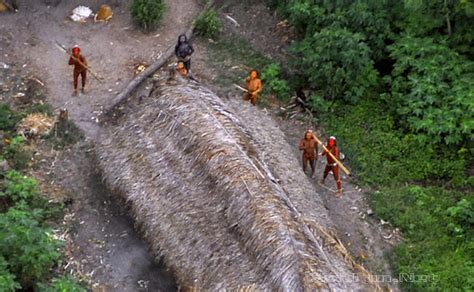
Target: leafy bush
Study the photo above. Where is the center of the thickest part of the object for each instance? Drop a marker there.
(432, 90)
(27, 246)
(7, 280)
(208, 23)
(17, 153)
(18, 187)
(147, 13)
(270, 76)
(8, 118)
(337, 63)
(371, 19)
(63, 284)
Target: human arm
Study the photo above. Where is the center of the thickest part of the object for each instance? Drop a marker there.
(71, 60)
(301, 146)
(176, 51)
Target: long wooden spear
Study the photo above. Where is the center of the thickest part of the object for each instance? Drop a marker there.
(63, 49)
(332, 156)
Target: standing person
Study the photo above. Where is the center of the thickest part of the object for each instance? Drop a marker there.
(309, 146)
(183, 51)
(80, 68)
(254, 86)
(331, 164)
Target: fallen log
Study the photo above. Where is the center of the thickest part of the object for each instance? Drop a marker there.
(122, 96)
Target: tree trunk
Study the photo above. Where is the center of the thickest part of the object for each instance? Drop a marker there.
(448, 21)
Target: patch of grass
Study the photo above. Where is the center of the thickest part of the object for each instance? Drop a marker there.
(439, 230)
(233, 59)
(62, 284)
(64, 134)
(39, 107)
(208, 24)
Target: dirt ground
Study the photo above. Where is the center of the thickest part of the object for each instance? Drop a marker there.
(104, 248)
(103, 241)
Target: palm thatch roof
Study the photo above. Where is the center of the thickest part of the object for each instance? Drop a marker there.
(207, 202)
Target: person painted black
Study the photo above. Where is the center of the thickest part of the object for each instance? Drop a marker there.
(183, 51)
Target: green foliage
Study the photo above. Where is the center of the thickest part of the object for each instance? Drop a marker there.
(41, 107)
(462, 215)
(371, 19)
(18, 187)
(8, 118)
(28, 247)
(7, 280)
(318, 104)
(147, 13)
(433, 247)
(422, 18)
(418, 133)
(17, 153)
(372, 142)
(432, 90)
(63, 284)
(337, 63)
(208, 23)
(270, 76)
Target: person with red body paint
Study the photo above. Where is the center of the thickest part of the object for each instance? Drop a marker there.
(80, 68)
(309, 146)
(331, 164)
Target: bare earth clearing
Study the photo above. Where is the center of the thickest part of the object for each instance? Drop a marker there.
(103, 240)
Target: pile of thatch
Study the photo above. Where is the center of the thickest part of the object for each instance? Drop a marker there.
(205, 200)
(36, 124)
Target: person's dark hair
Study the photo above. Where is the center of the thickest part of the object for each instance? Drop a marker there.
(185, 38)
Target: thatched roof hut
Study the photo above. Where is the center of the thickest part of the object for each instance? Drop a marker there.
(206, 200)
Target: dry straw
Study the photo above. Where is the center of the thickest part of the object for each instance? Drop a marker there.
(206, 202)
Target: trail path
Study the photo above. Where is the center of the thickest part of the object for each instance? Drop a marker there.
(112, 49)
(104, 243)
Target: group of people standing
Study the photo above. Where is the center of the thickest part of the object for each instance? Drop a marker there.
(309, 146)
(183, 51)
